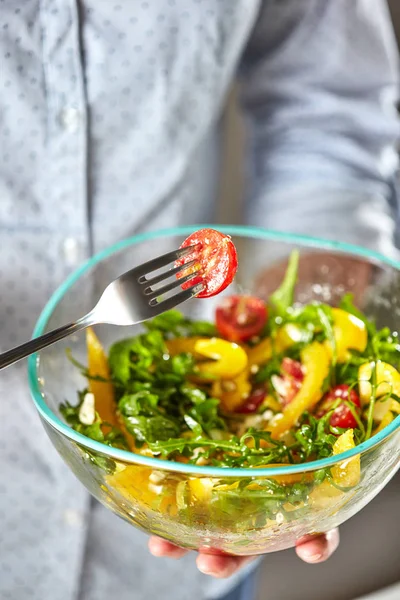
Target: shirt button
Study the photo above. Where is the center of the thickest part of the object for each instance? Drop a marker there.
(70, 119)
(72, 517)
(71, 251)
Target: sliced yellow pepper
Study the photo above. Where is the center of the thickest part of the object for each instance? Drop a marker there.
(132, 482)
(103, 391)
(286, 336)
(229, 359)
(315, 360)
(232, 393)
(350, 333)
(387, 382)
(346, 473)
(178, 345)
(325, 495)
(387, 419)
(261, 353)
(200, 489)
(395, 407)
(139, 484)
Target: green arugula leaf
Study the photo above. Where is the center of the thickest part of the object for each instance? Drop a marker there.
(182, 364)
(141, 403)
(314, 437)
(193, 425)
(113, 437)
(143, 418)
(151, 429)
(120, 359)
(174, 324)
(207, 415)
(283, 297)
(233, 452)
(135, 356)
(270, 368)
(167, 322)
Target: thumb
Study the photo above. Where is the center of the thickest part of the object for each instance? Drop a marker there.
(317, 548)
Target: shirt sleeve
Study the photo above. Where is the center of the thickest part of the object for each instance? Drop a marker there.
(319, 88)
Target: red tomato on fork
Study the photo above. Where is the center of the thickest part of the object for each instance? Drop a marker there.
(215, 255)
(239, 318)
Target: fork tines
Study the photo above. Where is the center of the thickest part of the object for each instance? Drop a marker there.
(162, 261)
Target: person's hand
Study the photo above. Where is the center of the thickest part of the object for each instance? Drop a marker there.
(311, 549)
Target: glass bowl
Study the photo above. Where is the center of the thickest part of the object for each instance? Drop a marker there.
(235, 511)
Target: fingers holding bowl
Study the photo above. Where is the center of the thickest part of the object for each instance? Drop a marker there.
(162, 548)
(315, 549)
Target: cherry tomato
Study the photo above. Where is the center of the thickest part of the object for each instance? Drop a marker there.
(289, 382)
(342, 416)
(216, 256)
(293, 368)
(239, 318)
(252, 403)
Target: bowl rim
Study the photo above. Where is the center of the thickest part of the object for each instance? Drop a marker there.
(130, 457)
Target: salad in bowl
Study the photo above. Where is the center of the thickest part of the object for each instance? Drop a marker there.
(242, 432)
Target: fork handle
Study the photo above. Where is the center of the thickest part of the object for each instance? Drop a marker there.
(16, 354)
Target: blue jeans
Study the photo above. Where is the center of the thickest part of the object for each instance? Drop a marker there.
(246, 590)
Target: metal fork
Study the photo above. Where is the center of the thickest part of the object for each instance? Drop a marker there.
(128, 300)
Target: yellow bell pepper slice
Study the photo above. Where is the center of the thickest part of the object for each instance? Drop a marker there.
(200, 489)
(261, 353)
(325, 495)
(350, 333)
(144, 486)
(286, 336)
(103, 391)
(395, 407)
(232, 393)
(346, 473)
(315, 360)
(178, 345)
(229, 359)
(387, 382)
(387, 419)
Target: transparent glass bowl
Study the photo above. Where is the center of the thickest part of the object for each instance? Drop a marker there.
(236, 511)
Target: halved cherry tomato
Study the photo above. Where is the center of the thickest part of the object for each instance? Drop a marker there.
(216, 256)
(290, 381)
(293, 368)
(251, 404)
(342, 416)
(239, 318)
